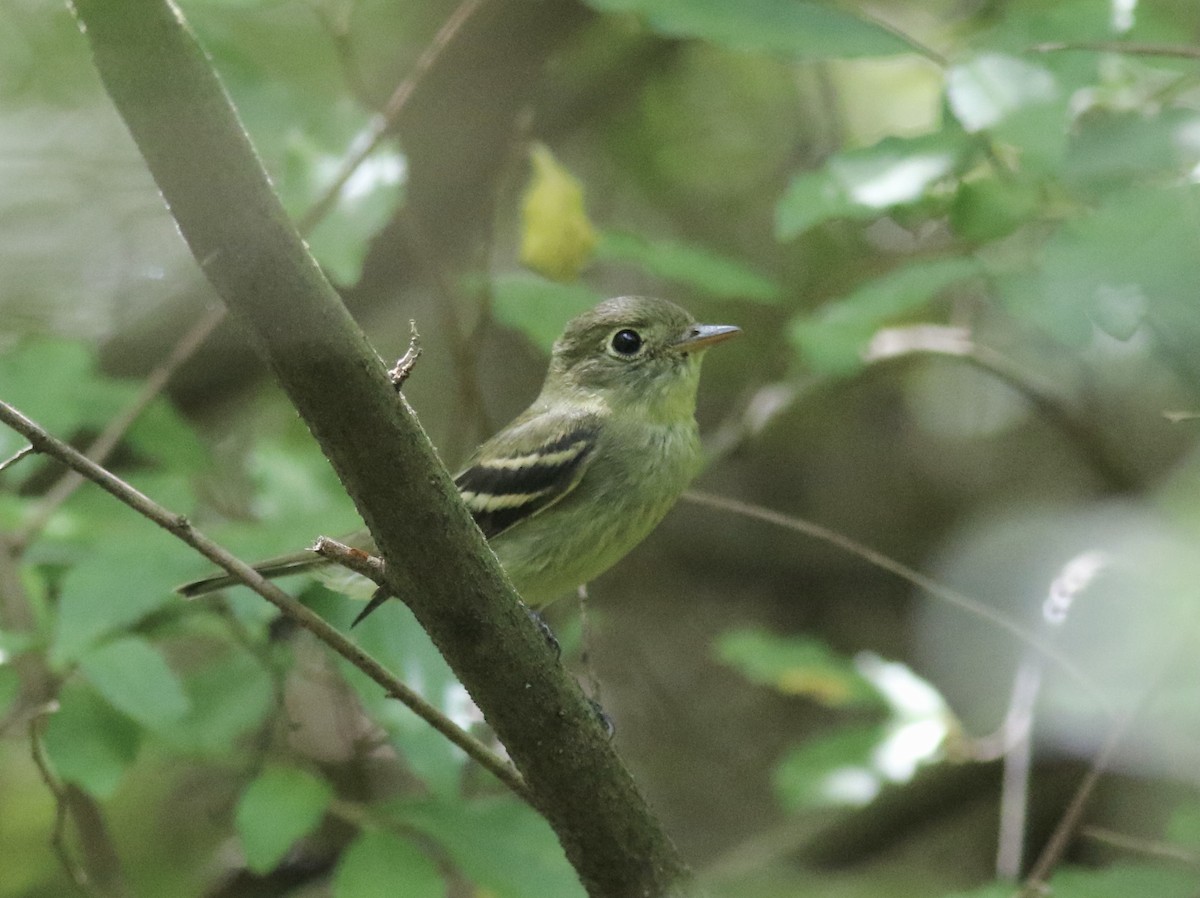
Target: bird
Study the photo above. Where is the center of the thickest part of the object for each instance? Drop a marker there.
(586, 472)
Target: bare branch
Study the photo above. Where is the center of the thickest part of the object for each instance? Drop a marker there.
(956, 342)
(1068, 824)
(101, 876)
(1132, 48)
(365, 143)
(919, 580)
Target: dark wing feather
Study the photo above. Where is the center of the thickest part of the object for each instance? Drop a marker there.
(517, 475)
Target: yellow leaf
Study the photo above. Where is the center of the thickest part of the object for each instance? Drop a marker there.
(556, 236)
(821, 686)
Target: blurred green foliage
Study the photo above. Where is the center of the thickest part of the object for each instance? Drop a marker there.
(1007, 190)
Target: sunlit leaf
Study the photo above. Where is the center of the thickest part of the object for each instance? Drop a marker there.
(985, 90)
(797, 665)
(832, 339)
(864, 183)
(831, 770)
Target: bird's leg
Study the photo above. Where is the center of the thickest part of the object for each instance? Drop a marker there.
(547, 633)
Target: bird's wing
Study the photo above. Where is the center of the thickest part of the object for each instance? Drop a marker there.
(526, 468)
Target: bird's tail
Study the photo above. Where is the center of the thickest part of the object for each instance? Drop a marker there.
(283, 566)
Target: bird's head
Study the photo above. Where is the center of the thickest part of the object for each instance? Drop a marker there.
(635, 351)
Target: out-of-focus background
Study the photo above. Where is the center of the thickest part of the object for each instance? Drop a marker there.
(963, 241)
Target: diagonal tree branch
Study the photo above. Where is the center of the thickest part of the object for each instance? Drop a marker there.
(195, 147)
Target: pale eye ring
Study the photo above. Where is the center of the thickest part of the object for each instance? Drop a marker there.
(626, 342)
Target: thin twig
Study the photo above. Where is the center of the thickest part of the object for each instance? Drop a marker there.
(179, 526)
(1034, 885)
(20, 454)
(1132, 48)
(362, 563)
(1151, 848)
(399, 373)
(918, 47)
(465, 354)
(926, 584)
(1056, 846)
(957, 343)
(382, 122)
(751, 418)
(58, 838)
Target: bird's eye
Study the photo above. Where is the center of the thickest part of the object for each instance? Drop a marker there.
(626, 342)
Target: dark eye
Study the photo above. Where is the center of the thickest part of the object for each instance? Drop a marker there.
(626, 342)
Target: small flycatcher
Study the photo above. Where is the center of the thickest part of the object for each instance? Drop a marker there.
(588, 470)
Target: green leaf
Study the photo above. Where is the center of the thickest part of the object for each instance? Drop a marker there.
(501, 845)
(797, 665)
(861, 184)
(832, 339)
(279, 807)
(135, 679)
(55, 383)
(988, 208)
(801, 30)
(1184, 825)
(705, 270)
(162, 433)
(127, 574)
(88, 742)
(1134, 256)
(227, 698)
(538, 308)
(1118, 881)
(831, 771)
(1111, 148)
(381, 865)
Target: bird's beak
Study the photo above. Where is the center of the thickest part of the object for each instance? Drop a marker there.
(702, 336)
